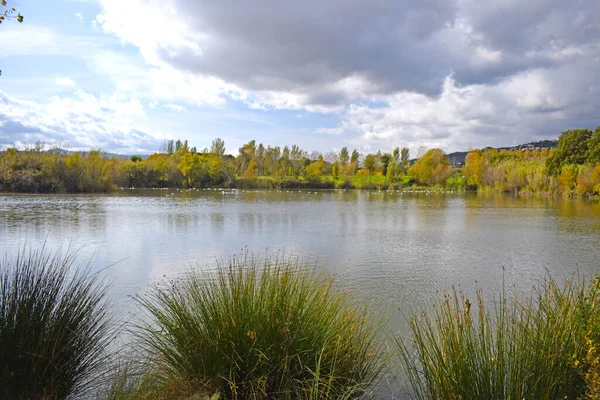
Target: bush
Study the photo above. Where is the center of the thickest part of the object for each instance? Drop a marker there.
(345, 184)
(368, 186)
(243, 331)
(254, 183)
(536, 349)
(53, 327)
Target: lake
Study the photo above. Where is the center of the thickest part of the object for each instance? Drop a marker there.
(393, 249)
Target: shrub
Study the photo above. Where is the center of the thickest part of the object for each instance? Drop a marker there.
(536, 349)
(243, 331)
(54, 327)
(345, 184)
(368, 186)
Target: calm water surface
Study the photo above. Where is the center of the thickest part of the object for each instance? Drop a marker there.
(395, 250)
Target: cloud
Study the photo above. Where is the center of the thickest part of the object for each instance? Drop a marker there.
(449, 73)
(31, 39)
(82, 122)
(310, 53)
(175, 107)
(65, 82)
(527, 106)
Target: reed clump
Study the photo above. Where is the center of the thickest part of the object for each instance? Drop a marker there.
(54, 327)
(260, 328)
(542, 347)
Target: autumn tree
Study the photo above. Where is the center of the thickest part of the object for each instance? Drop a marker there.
(252, 170)
(314, 171)
(335, 169)
(474, 168)
(246, 154)
(156, 170)
(372, 164)
(432, 168)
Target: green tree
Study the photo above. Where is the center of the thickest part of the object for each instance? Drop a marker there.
(372, 164)
(594, 148)
(386, 160)
(314, 171)
(354, 159)
(391, 171)
(260, 159)
(404, 160)
(355, 156)
(344, 157)
(572, 149)
(218, 146)
(335, 169)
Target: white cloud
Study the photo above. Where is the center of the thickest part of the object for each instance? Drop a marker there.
(151, 25)
(175, 107)
(168, 84)
(84, 121)
(450, 74)
(66, 82)
(529, 105)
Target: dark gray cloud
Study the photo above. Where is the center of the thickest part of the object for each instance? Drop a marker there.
(447, 73)
(301, 46)
(307, 48)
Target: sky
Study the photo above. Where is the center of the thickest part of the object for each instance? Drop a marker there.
(125, 75)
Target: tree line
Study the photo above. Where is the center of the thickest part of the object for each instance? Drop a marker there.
(179, 165)
(572, 168)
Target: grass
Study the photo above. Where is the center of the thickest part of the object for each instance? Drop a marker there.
(274, 328)
(260, 328)
(54, 327)
(539, 348)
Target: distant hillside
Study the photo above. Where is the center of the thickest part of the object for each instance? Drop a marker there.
(110, 155)
(457, 158)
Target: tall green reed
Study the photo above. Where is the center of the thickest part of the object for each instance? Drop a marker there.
(54, 327)
(521, 349)
(261, 328)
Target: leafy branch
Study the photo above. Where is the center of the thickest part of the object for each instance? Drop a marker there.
(9, 13)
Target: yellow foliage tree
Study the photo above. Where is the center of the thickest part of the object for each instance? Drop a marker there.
(432, 168)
